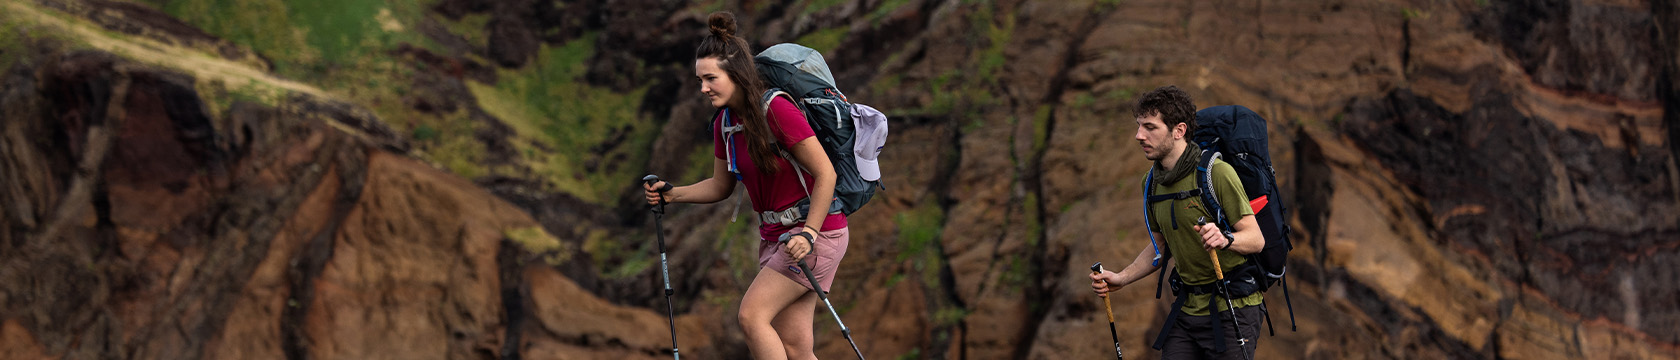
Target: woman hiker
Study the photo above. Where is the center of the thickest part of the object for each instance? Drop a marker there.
(748, 144)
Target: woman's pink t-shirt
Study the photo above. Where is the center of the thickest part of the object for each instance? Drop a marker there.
(769, 192)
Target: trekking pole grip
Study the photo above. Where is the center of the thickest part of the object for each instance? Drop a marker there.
(651, 179)
(1096, 269)
(1218, 271)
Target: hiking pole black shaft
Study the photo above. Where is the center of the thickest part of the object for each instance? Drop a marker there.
(1219, 272)
(815, 286)
(1097, 269)
(664, 268)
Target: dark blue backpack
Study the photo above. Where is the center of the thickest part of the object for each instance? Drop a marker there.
(1238, 135)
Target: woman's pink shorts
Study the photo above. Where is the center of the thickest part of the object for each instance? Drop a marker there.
(824, 259)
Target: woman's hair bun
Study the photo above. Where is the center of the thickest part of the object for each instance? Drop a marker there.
(722, 24)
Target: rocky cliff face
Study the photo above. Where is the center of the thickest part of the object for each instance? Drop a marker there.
(1470, 179)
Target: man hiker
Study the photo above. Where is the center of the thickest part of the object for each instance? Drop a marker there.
(1201, 325)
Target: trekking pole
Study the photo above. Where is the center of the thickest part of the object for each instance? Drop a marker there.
(1219, 272)
(664, 269)
(1097, 269)
(815, 286)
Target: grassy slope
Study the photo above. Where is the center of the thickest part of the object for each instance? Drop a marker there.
(221, 82)
(344, 46)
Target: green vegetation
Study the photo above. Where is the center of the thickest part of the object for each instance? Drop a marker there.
(710, 7)
(741, 255)
(824, 41)
(882, 84)
(538, 241)
(894, 280)
(991, 58)
(1410, 13)
(1041, 128)
(700, 162)
(915, 353)
(885, 8)
(1018, 269)
(1031, 210)
(970, 90)
(312, 40)
(943, 100)
(19, 31)
(814, 6)
(470, 27)
(11, 41)
(617, 258)
(256, 24)
(918, 239)
(454, 148)
(344, 47)
(949, 316)
(1084, 100)
(1016, 274)
(547, 103)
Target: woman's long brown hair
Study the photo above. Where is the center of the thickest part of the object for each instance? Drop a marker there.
(736, 60)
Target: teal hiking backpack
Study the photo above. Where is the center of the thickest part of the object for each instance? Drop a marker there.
(852, 135)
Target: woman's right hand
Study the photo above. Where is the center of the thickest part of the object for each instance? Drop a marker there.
(654, 196)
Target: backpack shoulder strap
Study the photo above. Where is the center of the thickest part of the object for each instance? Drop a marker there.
(725, 129)
(771, 95)
(1204, 182)
(1150, 227)
(1148, 191)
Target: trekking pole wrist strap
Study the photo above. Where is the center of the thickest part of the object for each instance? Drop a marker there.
(1229, 238)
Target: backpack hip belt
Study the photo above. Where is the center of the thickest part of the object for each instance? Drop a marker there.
(796, 214)
(1242, 281)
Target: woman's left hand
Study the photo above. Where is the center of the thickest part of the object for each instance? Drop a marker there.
(797, 247)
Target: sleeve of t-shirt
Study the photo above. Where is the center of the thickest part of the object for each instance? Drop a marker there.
(788, 123)
(717, 135)
(1230, 191)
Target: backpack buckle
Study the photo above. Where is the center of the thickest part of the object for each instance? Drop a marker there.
(796, 214)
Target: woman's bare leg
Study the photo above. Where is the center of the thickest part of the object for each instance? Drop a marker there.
(769, 294)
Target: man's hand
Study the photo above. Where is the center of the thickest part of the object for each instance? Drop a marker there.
(1105, 282)
(1212, 237)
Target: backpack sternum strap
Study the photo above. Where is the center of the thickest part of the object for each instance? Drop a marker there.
(1175, 196)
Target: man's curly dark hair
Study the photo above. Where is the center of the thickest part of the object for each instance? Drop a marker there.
(1174, 105)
